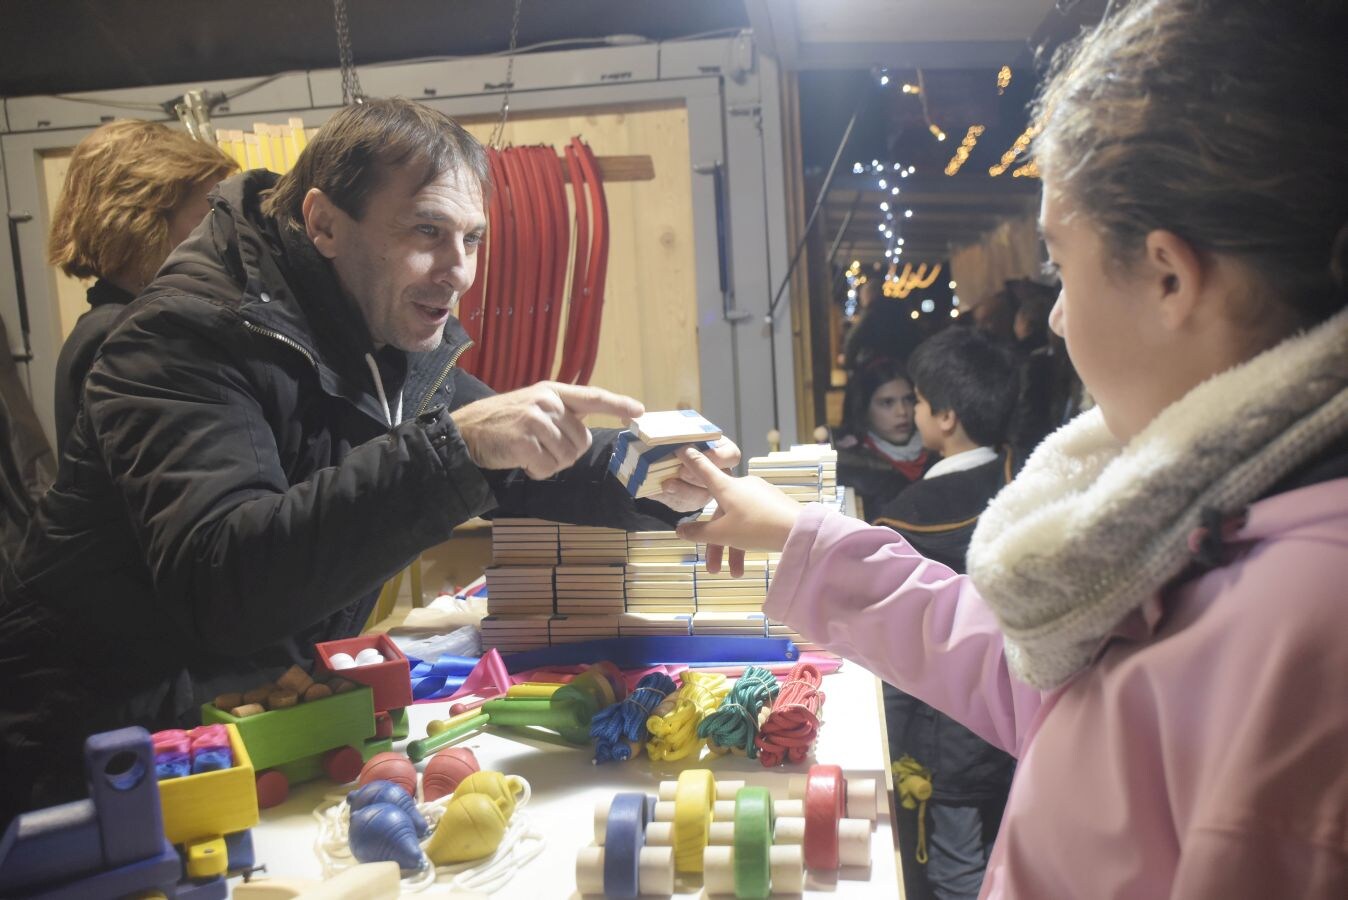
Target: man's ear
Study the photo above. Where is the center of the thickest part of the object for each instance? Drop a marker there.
(322, 221)
(1176, 274)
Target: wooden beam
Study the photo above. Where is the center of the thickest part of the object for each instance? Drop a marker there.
(620, 168)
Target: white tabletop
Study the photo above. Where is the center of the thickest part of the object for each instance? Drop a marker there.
(566, 786)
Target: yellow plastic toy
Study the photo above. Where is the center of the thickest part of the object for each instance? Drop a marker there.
(475, 820)
(503, 790)
(471, 828)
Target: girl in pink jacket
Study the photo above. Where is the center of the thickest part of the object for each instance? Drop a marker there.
(1155, 620)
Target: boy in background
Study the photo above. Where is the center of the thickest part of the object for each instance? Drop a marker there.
(966, 385)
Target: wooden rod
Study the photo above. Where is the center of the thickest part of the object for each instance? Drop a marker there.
(621, 168)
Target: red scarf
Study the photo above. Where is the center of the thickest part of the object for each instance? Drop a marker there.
(911, 469)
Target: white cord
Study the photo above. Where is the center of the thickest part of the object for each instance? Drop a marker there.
(518, 846)
(383, 398)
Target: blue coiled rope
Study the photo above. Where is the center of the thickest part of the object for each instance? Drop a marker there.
(615, 728)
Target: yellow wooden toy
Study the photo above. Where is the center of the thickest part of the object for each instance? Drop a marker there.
(199, 810)
(503, 790)
(471, 828)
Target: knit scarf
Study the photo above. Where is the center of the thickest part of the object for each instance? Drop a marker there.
(1092, 527)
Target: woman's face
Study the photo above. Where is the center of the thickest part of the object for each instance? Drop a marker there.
(1097, 314)
(891, 411)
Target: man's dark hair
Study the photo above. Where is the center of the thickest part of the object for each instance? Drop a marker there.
(352, 155)
(964, 370)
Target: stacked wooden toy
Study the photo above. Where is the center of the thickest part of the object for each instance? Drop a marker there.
(736, 836)
(644, 455)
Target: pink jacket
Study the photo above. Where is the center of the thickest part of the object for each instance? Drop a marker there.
(1203, 754)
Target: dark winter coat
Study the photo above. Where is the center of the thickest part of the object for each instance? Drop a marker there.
(77, 354)
(232, 493)
(875, 478)
(937, 516)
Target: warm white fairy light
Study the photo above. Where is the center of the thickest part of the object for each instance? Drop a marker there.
(965, 148)
(1021, 144)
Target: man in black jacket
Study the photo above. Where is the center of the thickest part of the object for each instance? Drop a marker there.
(274, 429)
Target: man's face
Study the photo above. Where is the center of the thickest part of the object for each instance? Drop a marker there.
(410, 257)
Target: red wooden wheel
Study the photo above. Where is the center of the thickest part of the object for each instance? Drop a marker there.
(343, 764)
(272, 789)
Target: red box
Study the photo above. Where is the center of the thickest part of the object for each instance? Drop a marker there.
(390, 679)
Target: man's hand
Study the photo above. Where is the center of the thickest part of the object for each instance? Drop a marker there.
(540, 428)
(686, 492)
(750, 514)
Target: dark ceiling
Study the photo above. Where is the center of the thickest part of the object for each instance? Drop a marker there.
(57, 46)
(53, 46)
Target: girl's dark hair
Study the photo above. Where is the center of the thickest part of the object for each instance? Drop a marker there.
(862, 384)
(1223, 121)
(352, 154)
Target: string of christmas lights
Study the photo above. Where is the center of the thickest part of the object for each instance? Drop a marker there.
(900, 284)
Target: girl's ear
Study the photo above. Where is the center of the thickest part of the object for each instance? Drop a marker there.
(1175, 274)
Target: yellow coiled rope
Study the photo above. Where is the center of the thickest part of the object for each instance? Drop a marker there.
(673, 724)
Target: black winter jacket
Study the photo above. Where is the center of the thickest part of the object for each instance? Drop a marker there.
(106, 301)
(937, 517)
(232, 492)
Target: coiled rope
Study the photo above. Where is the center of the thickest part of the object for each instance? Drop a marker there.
(620, 730)
(787, 733)
(732, 727)
(673, 724)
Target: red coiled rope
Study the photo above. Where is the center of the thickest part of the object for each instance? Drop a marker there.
(570, 364)
(514, 308)
(551, 168)
(789, 730)
(596, 269)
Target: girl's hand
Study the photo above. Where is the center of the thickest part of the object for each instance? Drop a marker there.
(750, 513)
(684, 494)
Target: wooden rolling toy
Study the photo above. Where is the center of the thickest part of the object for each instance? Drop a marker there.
(620, 865)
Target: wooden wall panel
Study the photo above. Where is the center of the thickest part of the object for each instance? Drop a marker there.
(70, 300)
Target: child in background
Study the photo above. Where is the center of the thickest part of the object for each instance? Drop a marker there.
(966, 390)
(880, 452)
(1153, 621)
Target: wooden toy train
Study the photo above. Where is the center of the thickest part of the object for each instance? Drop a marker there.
(332, 735)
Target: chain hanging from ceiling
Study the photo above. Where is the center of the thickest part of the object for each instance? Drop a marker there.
(351, 92)
(499, 131)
